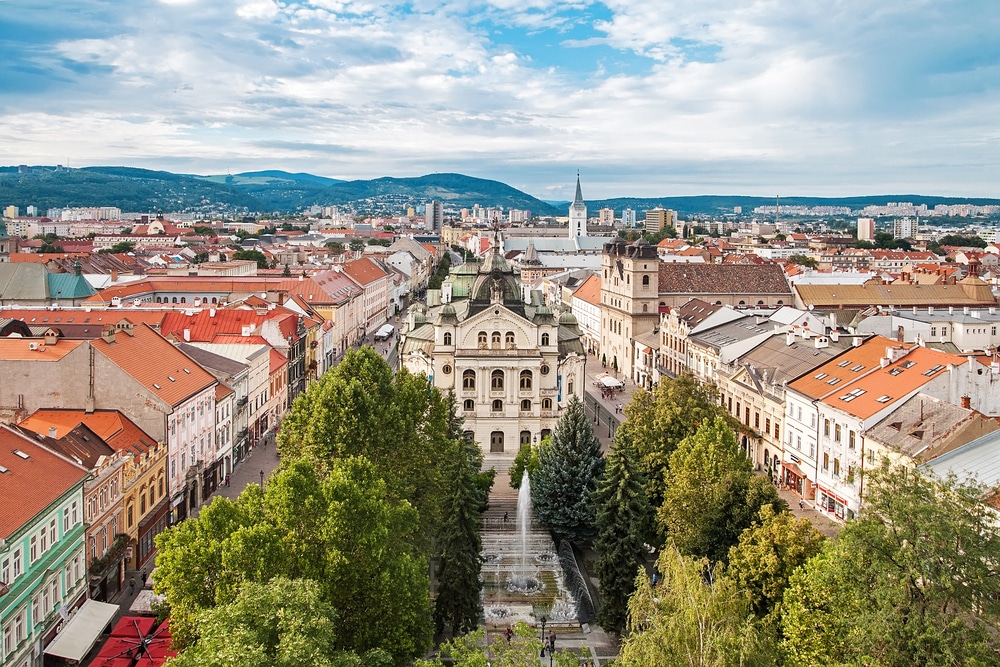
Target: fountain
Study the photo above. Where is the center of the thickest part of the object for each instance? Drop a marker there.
(522, 576)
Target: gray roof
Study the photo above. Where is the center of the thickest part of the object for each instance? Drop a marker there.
(979, 459)
(211, 361)
(23, 281)
(733, 332)
(776, 362)
(924, 427)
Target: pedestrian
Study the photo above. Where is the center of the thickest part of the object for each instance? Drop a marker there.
(142, 575)
(508, 633)
(227, 480)
(506, 515)
(552, 642)
(131, 585)
(802, 503)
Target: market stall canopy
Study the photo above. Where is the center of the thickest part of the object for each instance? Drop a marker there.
(610, 382)
(82, 630)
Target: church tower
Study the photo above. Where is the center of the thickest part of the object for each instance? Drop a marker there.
(577, 213)
(5, 243)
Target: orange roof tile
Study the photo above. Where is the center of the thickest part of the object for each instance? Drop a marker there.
(364, 271)
(276, 361)
(221, 391)
(19, 349)
(156, 364)
(875, 391)
(29, 485)
(590, 290)
(839, 371)
(112, 426)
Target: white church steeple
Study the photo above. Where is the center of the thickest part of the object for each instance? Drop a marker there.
(577, 213)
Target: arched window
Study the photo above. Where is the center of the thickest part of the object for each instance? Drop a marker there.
(741, 303)
(526, 405)
(482, 340)
(645, 308)
(509, 340)
(160, 490)
(525, 439)
(497, 405)
(469, 405)
(545, 339)
(174, 300)
(159, 300)
(760, 302)
(645, 281)
(546, 404)
(184, 299)
(142, 501)
(496, 441)
(469, 379)
(495, 340)
(546, 432)
(496, 380)
(447, 338)
(526, 379)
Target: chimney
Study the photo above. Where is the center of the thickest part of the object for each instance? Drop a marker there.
(822, 342)
(894, 354)
(108, 335)
(965, 311)
(211, 312)
(914, 310)
(52, 432)
(789, 338)
(967, 402)
(114, 276)
(856, 342)
(187, 335)
(246, 330)
(51, 337)
(951, 310)
(930, 310)
(899, 334)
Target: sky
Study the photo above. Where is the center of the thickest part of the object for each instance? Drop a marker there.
(643, 98)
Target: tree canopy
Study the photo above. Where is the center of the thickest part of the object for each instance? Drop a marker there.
(711, 493)
(915, 581)
(341, 531)
(253, 256)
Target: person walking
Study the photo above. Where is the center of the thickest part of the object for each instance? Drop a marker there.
(142, 575)
(802, 503)
(131, 585)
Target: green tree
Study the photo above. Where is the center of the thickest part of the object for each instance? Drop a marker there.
(343, 532)
(624, 518)
(526, 459)
(118, 248)
(398, 421)
(253, 256)
(660, 419)
(335, 246)
(915, 581)
(804, 260)
(569, 469)
(287, 272)
(281, 623)
(473, 650)
(458, 604)
(767, 554)
(356, 245)
(712, 494)
(693, 619)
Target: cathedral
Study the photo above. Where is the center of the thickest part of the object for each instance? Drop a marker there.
(512, 365)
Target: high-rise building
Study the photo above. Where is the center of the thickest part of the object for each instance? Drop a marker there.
(433, 216)
(606, 216)
(577, 213)
(904, 228)
(866, 229)
(628, 217)
(660, 218)
(10, 212)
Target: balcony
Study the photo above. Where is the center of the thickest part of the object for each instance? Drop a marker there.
(242, 403)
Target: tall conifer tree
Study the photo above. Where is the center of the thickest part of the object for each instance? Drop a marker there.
(568, 472)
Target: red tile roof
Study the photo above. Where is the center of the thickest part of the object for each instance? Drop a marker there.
(156, 364)
(276, 361)
(112, 426)
(19, 349)
(590, 290)
(837, 373)
(31, 484)
(364, 271)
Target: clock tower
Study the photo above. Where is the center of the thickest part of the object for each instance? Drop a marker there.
(577, 213)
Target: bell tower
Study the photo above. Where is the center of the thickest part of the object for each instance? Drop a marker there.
(577, 213)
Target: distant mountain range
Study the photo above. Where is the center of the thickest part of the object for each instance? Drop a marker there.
(272, 191)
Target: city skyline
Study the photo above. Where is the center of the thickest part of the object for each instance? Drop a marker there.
(644, 99)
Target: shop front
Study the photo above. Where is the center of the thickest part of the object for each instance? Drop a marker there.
(830, 502)
(796, 481)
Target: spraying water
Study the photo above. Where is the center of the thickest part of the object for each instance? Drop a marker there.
(523, 518)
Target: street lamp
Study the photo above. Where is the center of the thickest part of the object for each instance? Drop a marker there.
(261, 479)
(543, 619)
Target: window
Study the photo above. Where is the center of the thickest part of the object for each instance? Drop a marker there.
(836, 467)
(5, 571)
(777, 436)
(852, 394)
(851, 438)
(72, 514)
(546, 404)
(482, 339)
(496, 340)
(33, 549)
(52, 531)
(469, 405)
(844, 364)
(525, 439)
(895, 371)
(756, 420)
(496, 380)
(934, 331)
(544, 369)
(17, 564)
(526, 380)
(833, 381)
(526, 405)
(932, 371)
(826, 461)
(469, 379)
(446, 369)
(545, 339)
(509, 340)
(858, 368)
(767, 426)
(65, 524)
(447, 338)
(570, 389)
(826, 428)
(884, 399)
(497, 405)
(645, 281)
(836, 432)
(142, 501)
(821, 376)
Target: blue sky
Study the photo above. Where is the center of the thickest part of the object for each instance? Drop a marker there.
(643, 97)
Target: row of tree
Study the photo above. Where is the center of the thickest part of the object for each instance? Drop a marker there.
(376, 482)
(739, 579)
